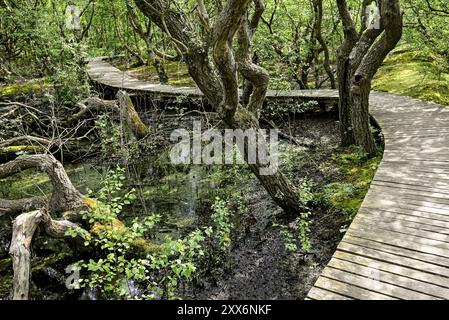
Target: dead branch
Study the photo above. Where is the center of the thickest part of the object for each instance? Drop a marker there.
(24, 228)
(65, 196)
(29, 139)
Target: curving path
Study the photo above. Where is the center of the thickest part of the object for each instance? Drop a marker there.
(398, 245)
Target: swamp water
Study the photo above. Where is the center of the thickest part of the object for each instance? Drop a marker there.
(182, 195)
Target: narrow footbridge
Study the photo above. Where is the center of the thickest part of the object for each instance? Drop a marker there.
(398, 244)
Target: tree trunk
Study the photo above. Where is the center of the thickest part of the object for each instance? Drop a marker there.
(133, 121)
(65, 196)
(359, 57)
(344, 104)
(24, 227)
(318, 9)
(163, 78)
(222, 90)
(361, 118)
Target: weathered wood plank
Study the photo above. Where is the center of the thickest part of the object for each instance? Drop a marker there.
(425, 282)
(349, 290)
(407, 288)
(395, 255)
(320, 294)
(372, 284)
(399, 255)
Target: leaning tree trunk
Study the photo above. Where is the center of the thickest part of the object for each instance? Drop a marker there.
(155, 62)
(361, 118)
(319, 11)
(344, 104)
(222, 91)
(24, 228)
(145, 35)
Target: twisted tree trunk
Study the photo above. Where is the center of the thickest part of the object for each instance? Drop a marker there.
(24, 228)
(145, 35)
(223, 91)
(359, 58)
(65, 200)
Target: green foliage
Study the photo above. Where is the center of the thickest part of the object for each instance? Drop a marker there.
(222, 223)
(280, 110)
(117, 265)
(70, 78)
(34, 44)
(177, 261)
(297, 234)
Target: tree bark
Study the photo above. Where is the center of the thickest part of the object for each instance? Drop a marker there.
(145, 35)
(24, 227)
(123, 106)
(65, 196)
(359, 57)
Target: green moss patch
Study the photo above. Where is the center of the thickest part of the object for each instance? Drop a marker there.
(356, 172)
(415, 75)
(24, 88)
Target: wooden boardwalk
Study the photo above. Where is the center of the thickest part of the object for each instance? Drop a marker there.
(107, 75)
(398, 245)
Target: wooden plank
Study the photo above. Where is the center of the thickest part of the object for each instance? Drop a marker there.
(320, 294)
(373, 285)
(401, 256)
(349, 290)
(428, 196)
(400, 240)
(411, 220)
(413, 175)
(435, 185)
(425, 282)
(408, 288)
(406, 208)
(400, 226)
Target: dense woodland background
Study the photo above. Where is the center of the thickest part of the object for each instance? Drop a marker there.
(135, 226)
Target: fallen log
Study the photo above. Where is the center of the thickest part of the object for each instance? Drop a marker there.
(20, 140)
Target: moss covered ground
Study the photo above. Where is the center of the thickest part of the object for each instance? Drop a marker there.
(414, 74)
(23, 88)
